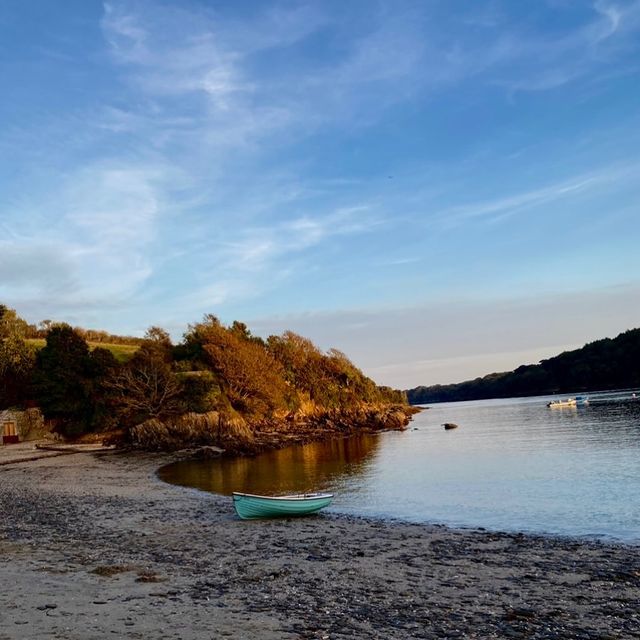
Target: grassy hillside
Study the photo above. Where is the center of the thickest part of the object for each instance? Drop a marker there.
(121, 352)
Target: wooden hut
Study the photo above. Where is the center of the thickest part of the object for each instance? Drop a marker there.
(9, 427)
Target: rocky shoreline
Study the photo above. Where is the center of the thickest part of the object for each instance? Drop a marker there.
(95, 546)
(239, 436)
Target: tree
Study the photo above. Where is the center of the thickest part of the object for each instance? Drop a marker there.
(11, 324)
(44, 326)
(146, 387)
(200, 391)
(330, 379)
(251, 378)
(68, 381)
(159, 336)
(16, 359)
(240, 330)
(190, 352)
(103, 367)
(298, 356)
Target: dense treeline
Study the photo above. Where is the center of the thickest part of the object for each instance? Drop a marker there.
(603, 364)
(214, 369)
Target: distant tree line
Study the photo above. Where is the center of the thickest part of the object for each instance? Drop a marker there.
(214, 368)
(40, 330)
(603, 364)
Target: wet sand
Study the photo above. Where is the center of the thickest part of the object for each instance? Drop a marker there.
(95, 546)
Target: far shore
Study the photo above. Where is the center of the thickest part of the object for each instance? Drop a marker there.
(96, 546)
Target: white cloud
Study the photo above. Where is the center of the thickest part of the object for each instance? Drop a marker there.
(99, 251)
(195, 164)
(184, 54)
(232, 103)
(255, 260)
(613, 17)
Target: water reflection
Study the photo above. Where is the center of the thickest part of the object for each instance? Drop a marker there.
(311, 467)
(513, 464)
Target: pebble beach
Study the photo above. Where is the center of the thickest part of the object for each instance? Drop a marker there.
(96, 546)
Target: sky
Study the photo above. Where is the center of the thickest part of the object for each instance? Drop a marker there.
(438, 188)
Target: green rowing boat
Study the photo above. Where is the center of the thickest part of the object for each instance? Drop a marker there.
(249, 506)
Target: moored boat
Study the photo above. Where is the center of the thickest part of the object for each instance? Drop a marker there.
(249, 506)
(569, 402)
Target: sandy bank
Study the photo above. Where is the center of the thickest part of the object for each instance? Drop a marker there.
(97, 547)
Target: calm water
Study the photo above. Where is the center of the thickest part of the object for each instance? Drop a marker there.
(511, 465)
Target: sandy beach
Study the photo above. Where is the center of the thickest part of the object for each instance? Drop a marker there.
(96, 546)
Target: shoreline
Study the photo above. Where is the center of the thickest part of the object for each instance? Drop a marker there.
(200, 433)
(95, 545)
(605, 539)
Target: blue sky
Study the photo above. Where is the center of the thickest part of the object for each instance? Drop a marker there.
(440, 189)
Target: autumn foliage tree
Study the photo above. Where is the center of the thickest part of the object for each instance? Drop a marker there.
(251, 378)
(299, 358)
(329, 379)
(215, 368)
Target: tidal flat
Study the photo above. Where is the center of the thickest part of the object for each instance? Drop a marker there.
(96, 546)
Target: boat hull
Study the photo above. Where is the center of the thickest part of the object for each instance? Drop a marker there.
(560, 404)
(250, 507)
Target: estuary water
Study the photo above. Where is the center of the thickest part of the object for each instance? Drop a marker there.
(511, 465)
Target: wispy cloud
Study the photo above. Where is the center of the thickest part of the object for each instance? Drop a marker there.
(589, 49)
(504, 207)
(258, 246)
(257, 260)
(246, 99)
(196, 66)
(210, 153)
(100, 249)
(127, 39)
(239, 90)
(486, 44)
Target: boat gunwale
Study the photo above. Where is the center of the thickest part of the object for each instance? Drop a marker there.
(299, 496)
